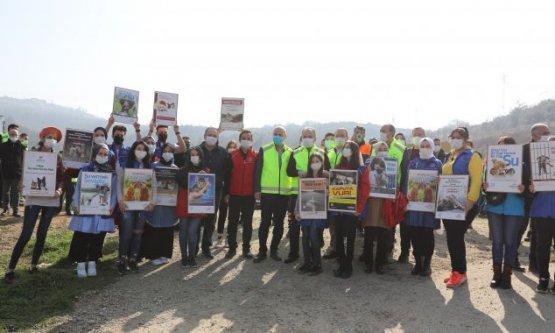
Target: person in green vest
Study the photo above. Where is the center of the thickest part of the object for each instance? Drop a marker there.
(298, 167)
(273, 187)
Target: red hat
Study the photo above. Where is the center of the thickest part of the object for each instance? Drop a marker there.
(51, 131)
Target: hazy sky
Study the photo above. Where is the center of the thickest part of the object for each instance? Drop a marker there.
(410, 62)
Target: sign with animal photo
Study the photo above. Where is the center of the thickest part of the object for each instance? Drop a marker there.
(451, 197)
(232, 113)
(126, 105)
(343, 191)
(383, 177)
(202, 193)
(166, 186)
(422, 189)
(137, 188)
(39, 173)
(542, 160)
(78, 146)
(504, 169)
(95, 193)
(312, 198)
(165, 108)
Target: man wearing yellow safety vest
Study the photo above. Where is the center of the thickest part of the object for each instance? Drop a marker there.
(334, 156)
(273, 187)
(298, 167)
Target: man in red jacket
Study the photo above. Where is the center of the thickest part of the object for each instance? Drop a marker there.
(239, 193)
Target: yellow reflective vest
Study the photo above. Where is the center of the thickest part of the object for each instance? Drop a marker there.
(274, 179)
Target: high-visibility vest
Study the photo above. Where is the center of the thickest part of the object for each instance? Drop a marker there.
(301, 155)
(334, 157)
(274, 179)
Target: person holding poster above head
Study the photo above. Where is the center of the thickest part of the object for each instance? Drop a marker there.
(162, 135)
(95, 198)
(272, 186)
(420, 188)
(42, 184)
(505, 211)
(165, 108)
(462, 161)
(132, 224)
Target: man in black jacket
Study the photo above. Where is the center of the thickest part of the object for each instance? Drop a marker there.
(11, 154)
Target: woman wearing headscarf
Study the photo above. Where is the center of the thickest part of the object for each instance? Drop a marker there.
(45, 206)
(89, 230)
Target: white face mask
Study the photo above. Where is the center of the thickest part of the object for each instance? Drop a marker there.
(167, 156)
(347, 152)
(49, 143)
(140, 154)
(195, 160)
(316, 166)
(545, 138)
(24, 142)
(340, 141)
(456, 143)
(383, 136)
(416, 140)
(425, 153)
(382, 154)
(308, 142)
(101, 159)
(211, 141)
(246, 144)
(230, 150)
(99, 140)
(151, 148)
(14, 138)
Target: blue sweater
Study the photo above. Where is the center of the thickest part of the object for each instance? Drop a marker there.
(423, 219)
(513, 206)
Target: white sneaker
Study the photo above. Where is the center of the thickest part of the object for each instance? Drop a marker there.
(81, 271)
(157, 262)
(164, 260)
(91, 268)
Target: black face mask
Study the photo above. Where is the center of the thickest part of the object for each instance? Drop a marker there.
(118, 140)
(162, 137)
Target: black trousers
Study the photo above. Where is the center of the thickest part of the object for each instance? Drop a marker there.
(404, 231)
(345, 226)
(157, 242)
(381, 237)
(545, 233)
(69, 190)
(455, 231)
(222, 216)
(209, 223)
(85, 246)
(294, 229)
(240, 209)
(423, 241)
(273, 208)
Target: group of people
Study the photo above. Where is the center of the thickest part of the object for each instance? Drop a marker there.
(270, 176)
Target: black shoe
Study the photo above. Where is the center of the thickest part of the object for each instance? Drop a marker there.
(332, 255)
(260, 257)
(230, 254)
(275, 256)
(33, 269)
(69, 213)
(369, 268)
(426, 267)
(192, 262)
(207, 254)
(417, 269)
(315, 270)
(9, 277)
(16, 215)
(133, 266)
(542, 286)
(247, 255)
(347, 273)
(338, 272)
(305, 268)
(291, 259)
(185, 262)
(518, 267)
(379, 269)
(4, 212)
(122, 269)
(403, 258)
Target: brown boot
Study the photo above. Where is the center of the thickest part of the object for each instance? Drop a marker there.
(506, 277)
(496, 279)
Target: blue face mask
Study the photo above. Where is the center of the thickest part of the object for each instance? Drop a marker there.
(278, 139)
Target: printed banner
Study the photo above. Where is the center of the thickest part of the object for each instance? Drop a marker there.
(422, 189)
(542, 160)
(202, 193)
(451, 197)
(383, 177)
(39, 173)
(126, 105)
(312, 198)
(504, 169)
(137, 188)
(233, 110)
(343, 191)
(166, 186)
(95, 193)
(165, 108)
(78, 146)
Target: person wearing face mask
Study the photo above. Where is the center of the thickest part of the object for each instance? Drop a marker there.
(89, 230)
(421, 225)
(189, 224)
(462, 161)
(24, 139)
(180, 157)
(329, 142)
(121, 151)
(132, 224)
(157, 241)
(439, 153)
(231, 146)
(273, 187)
(401, 138)
(151, 144)
(162, 134)
(298, 167)
(364, 148)
(11, 155)
(35, 206)
(345, 223)
(239, 194)
(216, 159)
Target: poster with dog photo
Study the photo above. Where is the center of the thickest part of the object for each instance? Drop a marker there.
(422, 189)
(232, 113)
(95, 193)
(451, 197)
(542, 160)
(166, 186)
(343, 191)
(312, 198)
(165, 108)
(78, 146)
(137, 188)
(504, 169)
(383, 177)
(202, 193)
(126, 105)
(39, 173)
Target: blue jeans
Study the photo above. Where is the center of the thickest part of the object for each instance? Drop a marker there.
(29, 220)
(504, 232)
(130, 235)
(188, 235)
(312, 241)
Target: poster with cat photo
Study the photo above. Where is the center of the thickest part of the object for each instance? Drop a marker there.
(39, 173)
